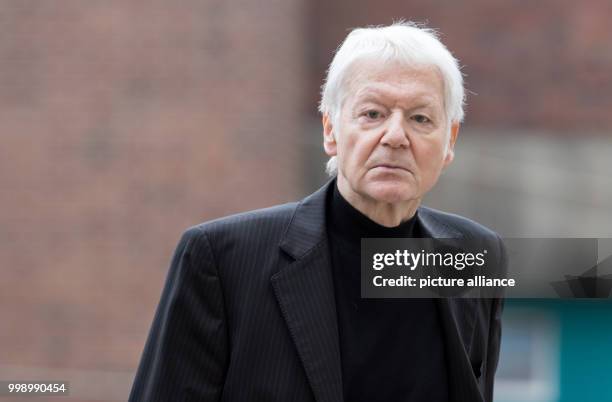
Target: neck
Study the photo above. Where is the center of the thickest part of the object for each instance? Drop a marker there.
(389, 214)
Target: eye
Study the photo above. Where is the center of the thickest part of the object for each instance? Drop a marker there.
(373, 114)
(419, 118)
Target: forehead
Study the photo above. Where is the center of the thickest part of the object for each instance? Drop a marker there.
(375, 81)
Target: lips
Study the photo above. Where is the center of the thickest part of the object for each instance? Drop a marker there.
(391, 166)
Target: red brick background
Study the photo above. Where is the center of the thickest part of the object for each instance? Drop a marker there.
(123, 123)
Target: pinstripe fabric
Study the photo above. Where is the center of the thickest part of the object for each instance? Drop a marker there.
(248, 314)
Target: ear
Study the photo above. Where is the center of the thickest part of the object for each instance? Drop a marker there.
(450, 150)
(329, 137)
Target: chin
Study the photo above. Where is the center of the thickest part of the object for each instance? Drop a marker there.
(391, 192)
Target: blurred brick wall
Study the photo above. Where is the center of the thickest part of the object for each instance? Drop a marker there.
(123, 123)
(541, 65)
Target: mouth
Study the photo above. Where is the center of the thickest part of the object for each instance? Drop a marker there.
(387, 166)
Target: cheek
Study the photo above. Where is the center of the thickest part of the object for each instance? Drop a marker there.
(430, 159)
(356, 149)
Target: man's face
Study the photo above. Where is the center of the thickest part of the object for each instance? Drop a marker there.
(391, 138)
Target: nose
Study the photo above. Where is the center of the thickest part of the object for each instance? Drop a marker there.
(395, 135)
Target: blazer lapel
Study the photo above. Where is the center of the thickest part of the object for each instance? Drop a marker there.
(457, 318)
(305, 292)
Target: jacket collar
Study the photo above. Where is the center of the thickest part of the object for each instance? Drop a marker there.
(308, 224)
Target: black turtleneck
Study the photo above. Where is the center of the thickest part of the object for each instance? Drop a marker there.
(391, 349)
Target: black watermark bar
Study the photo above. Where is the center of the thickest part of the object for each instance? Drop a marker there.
(486, 267)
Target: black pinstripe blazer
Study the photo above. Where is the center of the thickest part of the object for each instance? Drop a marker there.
(248, 313)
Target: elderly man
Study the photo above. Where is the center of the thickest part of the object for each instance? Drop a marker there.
(266, 306)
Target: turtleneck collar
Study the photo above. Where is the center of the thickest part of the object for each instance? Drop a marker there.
(347, 223)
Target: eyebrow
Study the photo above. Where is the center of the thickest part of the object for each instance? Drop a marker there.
(422, 100)
(414, 103)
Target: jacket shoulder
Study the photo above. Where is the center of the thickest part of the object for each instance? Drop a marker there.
(467, 227)
(262, 220)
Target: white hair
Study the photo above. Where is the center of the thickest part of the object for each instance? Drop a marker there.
(408, 43)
